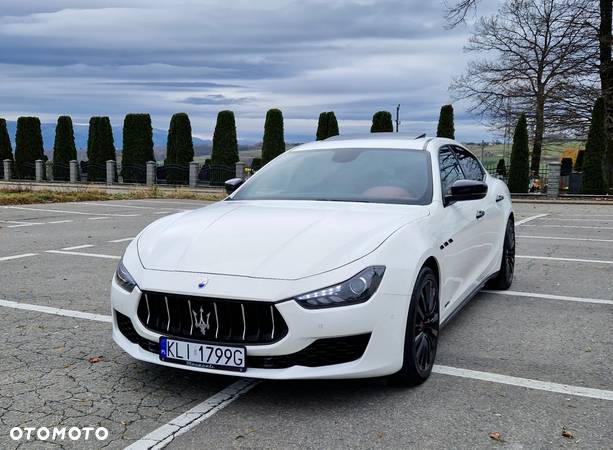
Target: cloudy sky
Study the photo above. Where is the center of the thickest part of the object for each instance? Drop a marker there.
(112, 57)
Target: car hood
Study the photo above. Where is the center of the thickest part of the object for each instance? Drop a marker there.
(270, 239)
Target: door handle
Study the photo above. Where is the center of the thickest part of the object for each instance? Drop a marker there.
(480, 213)
(499, 198)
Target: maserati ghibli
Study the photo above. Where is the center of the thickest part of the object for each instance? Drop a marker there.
(341, 258)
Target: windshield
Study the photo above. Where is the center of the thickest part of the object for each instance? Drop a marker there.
(345, 174)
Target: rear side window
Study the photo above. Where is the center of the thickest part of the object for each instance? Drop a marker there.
(469, 163)
(450, 169)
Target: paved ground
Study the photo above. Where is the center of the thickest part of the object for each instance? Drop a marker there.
(528, 364)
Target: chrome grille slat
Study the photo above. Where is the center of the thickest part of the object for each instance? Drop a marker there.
(216, 320)
(167, 312)
(191, 319)
(236, 321)
(272, 316)
(244, 321)
(148, 310)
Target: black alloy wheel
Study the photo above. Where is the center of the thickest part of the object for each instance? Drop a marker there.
(504, 277)
(422, 331)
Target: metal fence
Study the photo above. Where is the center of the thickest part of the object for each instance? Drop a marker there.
(539, 183)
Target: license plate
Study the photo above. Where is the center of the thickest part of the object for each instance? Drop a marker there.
(198, 354)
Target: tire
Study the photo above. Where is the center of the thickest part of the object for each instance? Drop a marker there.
(421, 335)
(504, 277)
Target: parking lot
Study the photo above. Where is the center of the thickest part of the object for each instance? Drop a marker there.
(531, 364)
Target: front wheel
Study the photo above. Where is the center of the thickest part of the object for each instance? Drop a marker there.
(421, 336)
(504, 277)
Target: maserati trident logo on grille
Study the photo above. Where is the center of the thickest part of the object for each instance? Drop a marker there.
(203, 283)
(199, 321)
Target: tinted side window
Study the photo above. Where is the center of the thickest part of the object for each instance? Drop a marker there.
(470, 165)
(450, 169)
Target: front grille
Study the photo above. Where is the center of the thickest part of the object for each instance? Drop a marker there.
(127, 329)
(211, 319)
(322, 352)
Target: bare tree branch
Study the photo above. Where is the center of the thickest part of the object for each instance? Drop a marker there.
(538, 57)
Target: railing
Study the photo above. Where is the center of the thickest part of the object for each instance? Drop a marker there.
(177, 174)
(538, 183)
(215, 175)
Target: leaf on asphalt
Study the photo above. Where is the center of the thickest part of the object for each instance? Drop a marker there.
(567, 434)
(495, 435)
(94, 359)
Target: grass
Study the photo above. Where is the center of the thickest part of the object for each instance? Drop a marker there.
(27, 196)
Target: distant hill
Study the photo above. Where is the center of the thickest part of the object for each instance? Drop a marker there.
(81, 131)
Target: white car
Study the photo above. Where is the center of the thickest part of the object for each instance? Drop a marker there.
(341, 258)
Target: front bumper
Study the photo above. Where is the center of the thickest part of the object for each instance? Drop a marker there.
(383, 317)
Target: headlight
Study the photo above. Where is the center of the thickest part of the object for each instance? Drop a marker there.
(355, 290)
(124, 279)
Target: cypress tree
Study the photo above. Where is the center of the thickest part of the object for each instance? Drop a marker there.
(519, 176)
(594, 164)
(327, 125)
(579, 160)
(100, 148)
(332, 124)
(179, 149)
(64, 149)
(6, 149)
(256, 164)
(566, 166)
(322, 126)
(446, 128)
(94, 171)
(382, 122)
(28, 146)
(137, 147)
(501, 168)
(225, 145)
(273, 143)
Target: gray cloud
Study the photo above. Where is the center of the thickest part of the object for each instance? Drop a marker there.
(303, 56)
(214, 99)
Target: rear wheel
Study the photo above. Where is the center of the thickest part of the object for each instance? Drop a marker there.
(504, 277)
(421, 336)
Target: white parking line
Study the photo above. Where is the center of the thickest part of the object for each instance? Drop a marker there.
(77, 247)
(29, 224)
(584, 220)
(55, 311)
(24, 255)
(528, 219)
(590, 215)
(60, 221)
(564, 238)
(122, 240)
(91, 255)
(570, 226)
(552, 258)
(165, 434)
(70, 212)
(567, 389)
(550, 297)
(114, 205)
(98, 218)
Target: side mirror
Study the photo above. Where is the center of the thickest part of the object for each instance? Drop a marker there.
(463, 190)
(233, 184)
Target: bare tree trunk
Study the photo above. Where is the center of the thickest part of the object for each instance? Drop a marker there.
(539, 130)
(606, 75)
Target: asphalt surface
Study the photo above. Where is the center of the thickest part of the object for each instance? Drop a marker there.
(66, 371)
